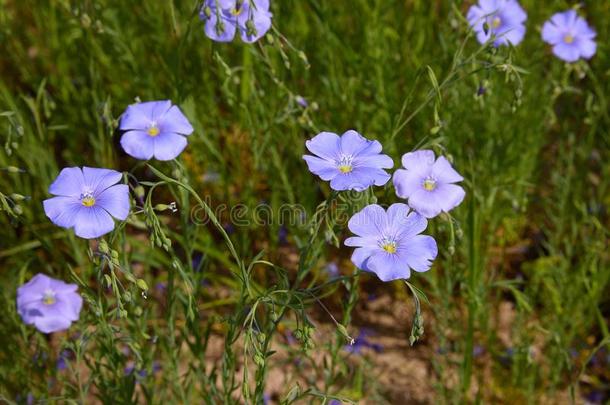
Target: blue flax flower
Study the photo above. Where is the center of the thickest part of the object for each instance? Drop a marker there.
(48, 304)
(502, 19)
(86, 200)
(389, 243)
(154, 129)
(572, 38)
(223, 18)
(428, 184)
(349, 162)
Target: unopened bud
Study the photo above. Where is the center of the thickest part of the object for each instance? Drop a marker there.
(18, 197)
(139, 191)
(250, 28)
(103, 246)
(13, 169)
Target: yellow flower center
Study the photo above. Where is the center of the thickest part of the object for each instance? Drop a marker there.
(568, 39)
(88, 201)
(48, 298)
(153, 130)
(345, 164)
(237, 10)
(429, 184)
(389, 247)
(345, 169)
(495, 23)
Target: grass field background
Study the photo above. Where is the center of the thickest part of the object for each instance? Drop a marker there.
(518, 297)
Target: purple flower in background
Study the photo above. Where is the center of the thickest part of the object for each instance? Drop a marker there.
(428, 184)
(129, 368)
(332, 269)
(302, 101)
(389, 243)
(48, 304)
(154, 129)
(62, 360)
(223, 18)
(502, 19)
(349, 162)
(361, 342)
(86, 200)
(570, 35)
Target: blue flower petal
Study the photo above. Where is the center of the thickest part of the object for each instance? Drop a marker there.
(62, 211)
(115, 200)
(68, 183)
(138, 144)
(93, 222)
(174, 121)
(168, 146)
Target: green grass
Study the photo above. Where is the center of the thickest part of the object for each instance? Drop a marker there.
(533, 230)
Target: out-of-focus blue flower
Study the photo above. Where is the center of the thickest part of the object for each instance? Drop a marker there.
(129, 369)
(502, 19)
(302, 101)
(349, 162)
(332, 269)
(86, 200)
(282, 235)
(48, 304)
(596, 397)
(223, 18)
(478, 351)
(572, 38)
(428, 184)
(389, 243)
(290, 339)
(62, 360)
(362, 342)
(154, 129)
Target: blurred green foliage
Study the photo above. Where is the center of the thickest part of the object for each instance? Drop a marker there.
(528, 132)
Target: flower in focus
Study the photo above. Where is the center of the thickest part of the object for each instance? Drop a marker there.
(501, 19)
(349, 161)
(86, 200)
(154, 129)
(223, 18)
(48, 304)
(572, 38)
(389, 243)
(428, 184)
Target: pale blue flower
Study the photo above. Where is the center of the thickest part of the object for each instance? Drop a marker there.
(349, 162)
(48, 304)
(389, 243)
(86, 200)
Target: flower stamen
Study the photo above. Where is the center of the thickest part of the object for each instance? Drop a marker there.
(48, 298)
(87, 199)
(153, 130)
(496, 22)
(568, 38)
(388, 245)
(429, 184)
(345, 164)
